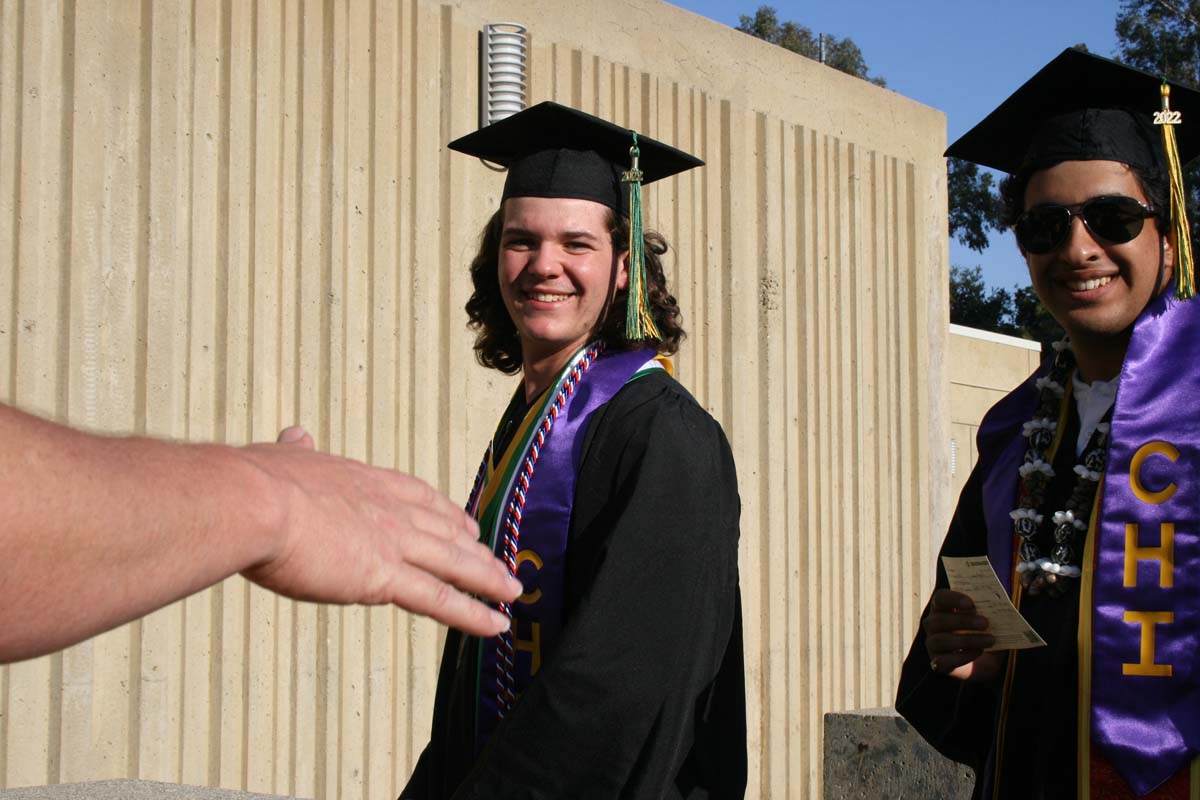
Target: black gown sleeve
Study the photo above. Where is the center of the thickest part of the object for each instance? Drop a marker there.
(954, 716)
(644, 671)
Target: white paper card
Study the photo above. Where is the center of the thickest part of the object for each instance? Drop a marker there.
(974, 577)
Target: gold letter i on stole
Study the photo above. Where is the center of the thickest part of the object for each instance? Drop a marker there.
(1147, 667)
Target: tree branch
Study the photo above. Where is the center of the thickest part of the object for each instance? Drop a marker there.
(1175, 9)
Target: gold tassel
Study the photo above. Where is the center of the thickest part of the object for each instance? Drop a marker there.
(1180, 233)
(639, 324)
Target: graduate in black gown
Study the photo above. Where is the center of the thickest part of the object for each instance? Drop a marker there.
(957, 716)
(1101, 710)
(610, 492)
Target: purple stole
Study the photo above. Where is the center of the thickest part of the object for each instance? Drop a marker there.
(528, 520)
(1140, 641)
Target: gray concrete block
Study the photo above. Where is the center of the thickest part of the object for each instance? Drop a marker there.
(129, 790)
(874, 753)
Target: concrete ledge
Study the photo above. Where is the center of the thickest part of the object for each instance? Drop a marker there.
(874, 753)
(129, 790)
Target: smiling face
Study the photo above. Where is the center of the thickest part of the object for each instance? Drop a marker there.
(1095, 289)
(556, 270)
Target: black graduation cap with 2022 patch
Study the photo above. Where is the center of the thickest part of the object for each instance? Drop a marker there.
(552, 150)
(1082, 107)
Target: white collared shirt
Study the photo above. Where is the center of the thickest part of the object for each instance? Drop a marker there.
(1092, 401)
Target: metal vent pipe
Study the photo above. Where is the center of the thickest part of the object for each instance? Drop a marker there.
(504, 64)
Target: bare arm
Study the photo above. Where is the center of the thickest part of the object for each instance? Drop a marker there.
(97, 531)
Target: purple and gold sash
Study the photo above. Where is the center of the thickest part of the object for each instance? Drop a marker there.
(1145, 643)
(1138, 645)
(524, 509)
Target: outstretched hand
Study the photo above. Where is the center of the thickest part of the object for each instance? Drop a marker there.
(955, 638)
(353, 533)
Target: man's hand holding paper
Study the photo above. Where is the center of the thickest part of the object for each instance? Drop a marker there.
(974, 577)
(970, 626)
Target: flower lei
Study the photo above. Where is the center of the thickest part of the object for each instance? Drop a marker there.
(1038, 572)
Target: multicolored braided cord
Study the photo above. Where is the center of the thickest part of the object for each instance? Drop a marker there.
(505, 650)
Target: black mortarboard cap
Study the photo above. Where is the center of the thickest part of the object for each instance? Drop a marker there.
(1081, 107)
(555, 151)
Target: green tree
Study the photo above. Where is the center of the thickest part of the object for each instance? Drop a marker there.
(974, 305)
(841, 54)
(975, 208)
(1016, 313)
(1163, 37)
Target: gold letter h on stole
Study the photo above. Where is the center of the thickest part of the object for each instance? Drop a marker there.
(1164, 554)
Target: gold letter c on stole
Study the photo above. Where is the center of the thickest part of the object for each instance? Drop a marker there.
(532, 645)
(1135, 472)
(529, 598)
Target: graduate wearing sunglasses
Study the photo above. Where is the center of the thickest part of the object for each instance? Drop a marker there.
(1086, 494)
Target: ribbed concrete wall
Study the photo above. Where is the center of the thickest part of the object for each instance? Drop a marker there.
(983, 367)
(219, 218)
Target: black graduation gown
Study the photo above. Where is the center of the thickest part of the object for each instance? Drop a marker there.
(643, 696)
(959, 719)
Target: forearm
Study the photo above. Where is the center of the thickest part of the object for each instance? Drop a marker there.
(97, 531)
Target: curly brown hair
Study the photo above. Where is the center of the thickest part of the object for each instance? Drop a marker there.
(497, 344)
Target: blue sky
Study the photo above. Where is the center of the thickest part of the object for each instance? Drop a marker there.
(960, 56)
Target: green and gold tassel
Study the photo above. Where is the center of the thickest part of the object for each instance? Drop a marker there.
(639, 324)
(1181, 235)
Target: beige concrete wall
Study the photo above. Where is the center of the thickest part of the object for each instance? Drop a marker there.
(983, 367)
(218, 218)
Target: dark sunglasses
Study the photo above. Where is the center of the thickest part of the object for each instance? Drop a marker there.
(1114, 218)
